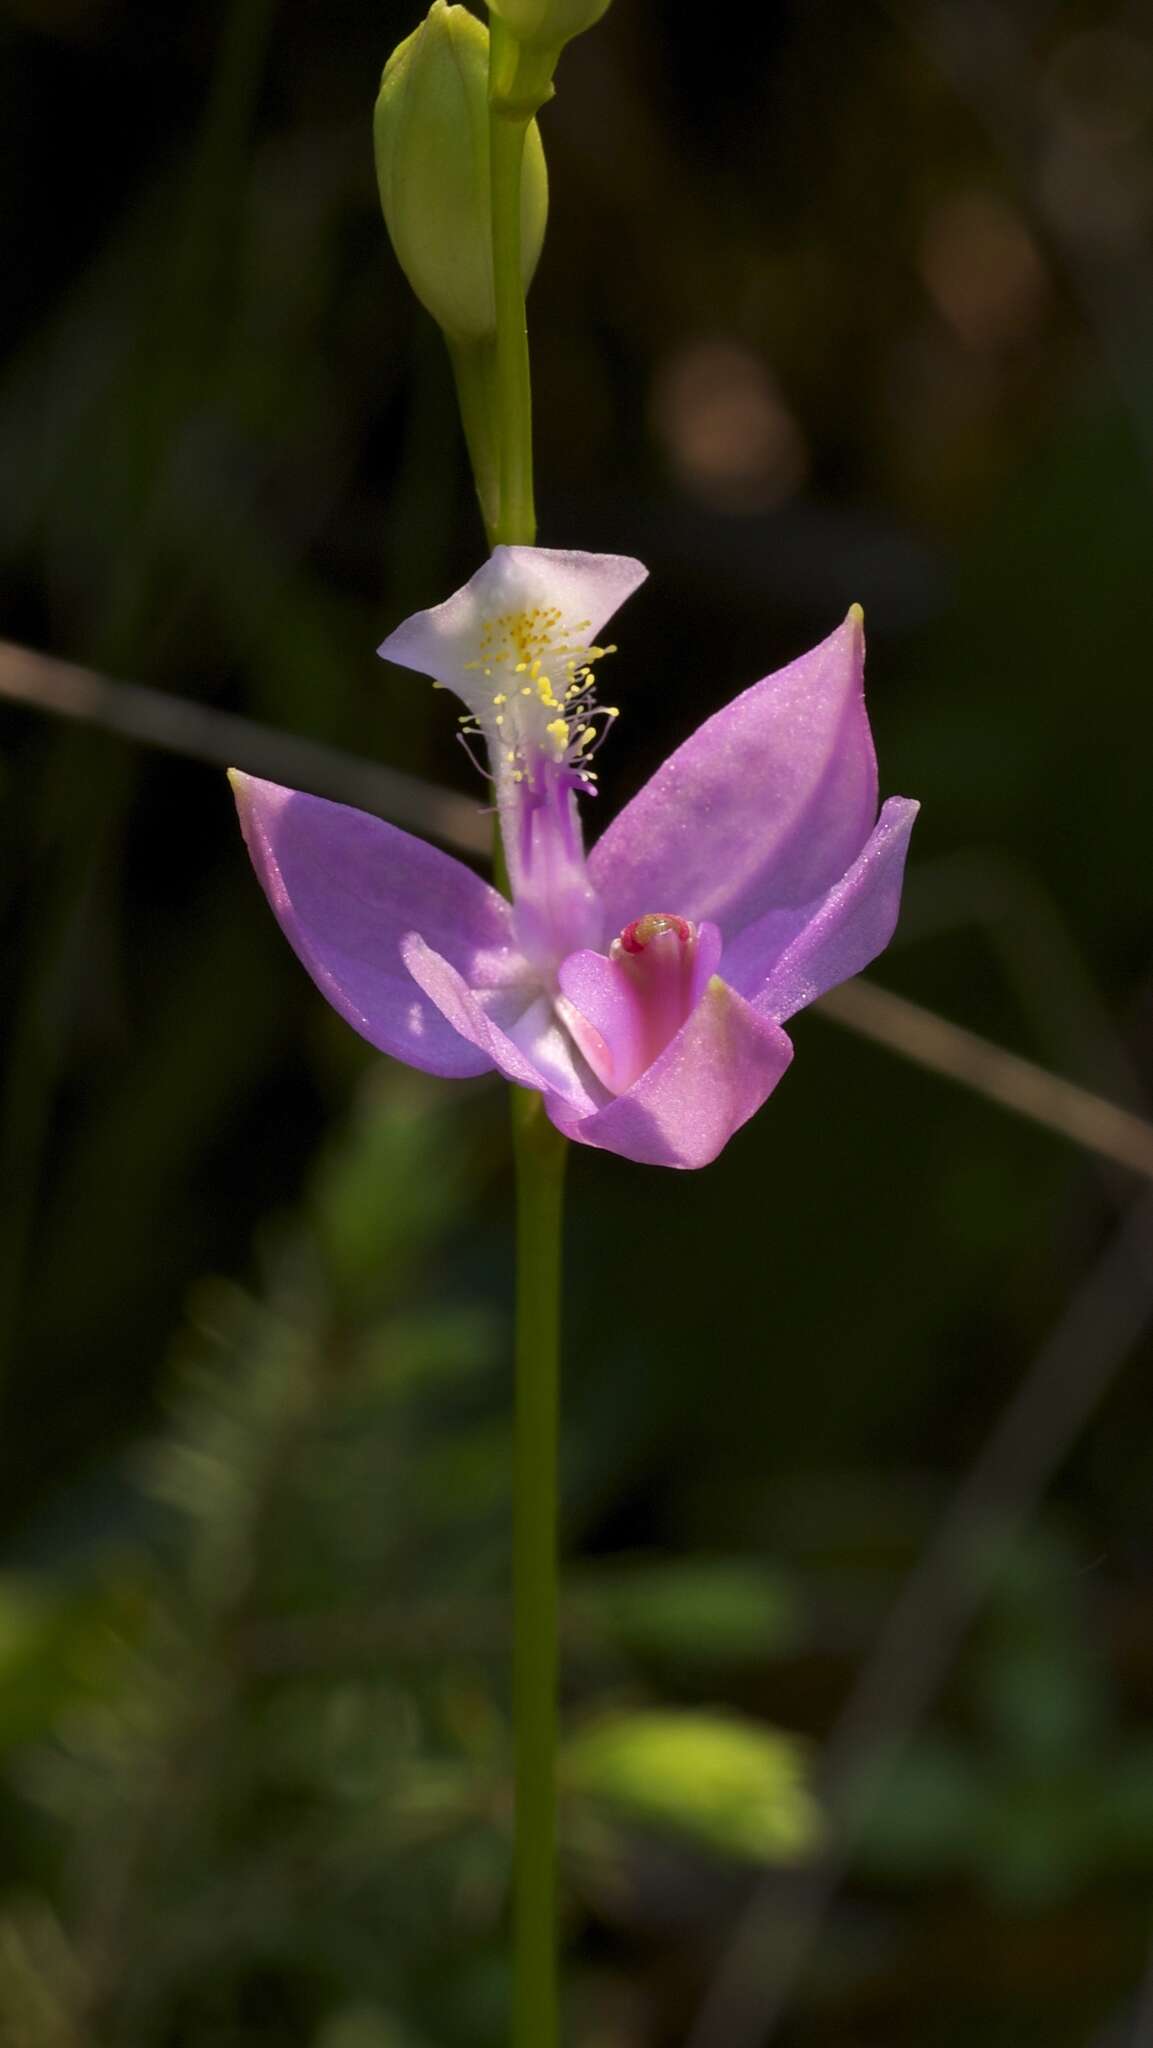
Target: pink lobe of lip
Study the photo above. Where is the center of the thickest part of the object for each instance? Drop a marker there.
(623, 1009)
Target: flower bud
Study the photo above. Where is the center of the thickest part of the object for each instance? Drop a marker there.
(548, 24)
(431, 134)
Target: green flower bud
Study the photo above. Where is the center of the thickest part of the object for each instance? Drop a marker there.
(547, 24)
(431, 132)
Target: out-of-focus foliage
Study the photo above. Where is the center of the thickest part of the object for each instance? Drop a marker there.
(727, 1784)
(860, 312)
(682, 1614)
(1043, 1788)
(260, 1761)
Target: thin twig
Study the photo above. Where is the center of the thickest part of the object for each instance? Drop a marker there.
(200, 733)
(1017, 1084)
(1098, 1330)
(1000, 896)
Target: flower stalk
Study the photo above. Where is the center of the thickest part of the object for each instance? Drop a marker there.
(474, 370)
(540, 1152)
(540, 1155)
(509, 121)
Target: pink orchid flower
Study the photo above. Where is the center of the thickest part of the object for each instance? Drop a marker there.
(642, 990)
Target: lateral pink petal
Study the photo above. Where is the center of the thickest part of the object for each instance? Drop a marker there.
(533, 1051)
(765, 806)
(722, 1064)
(837, 936)
(346, 888)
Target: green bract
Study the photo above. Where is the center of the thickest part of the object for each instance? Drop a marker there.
(548, 24)
(432, 165)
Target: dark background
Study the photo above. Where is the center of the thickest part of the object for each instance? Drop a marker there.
(837, 303)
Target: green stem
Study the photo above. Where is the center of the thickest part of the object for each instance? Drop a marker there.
(474, 367)
(507, 131)
(540, 1163)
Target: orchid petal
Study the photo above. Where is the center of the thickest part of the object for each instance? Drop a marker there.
(541, 1033)
(765, 806)
(602, 1009)
(710, 946)
(530, 1052)
(614, 1019)
(834, 938)
(346, 888)
(709, 1080)
(443, 642)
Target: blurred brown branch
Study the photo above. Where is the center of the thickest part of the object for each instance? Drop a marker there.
(156, 719)
(1017, 1084)
(198, 732)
